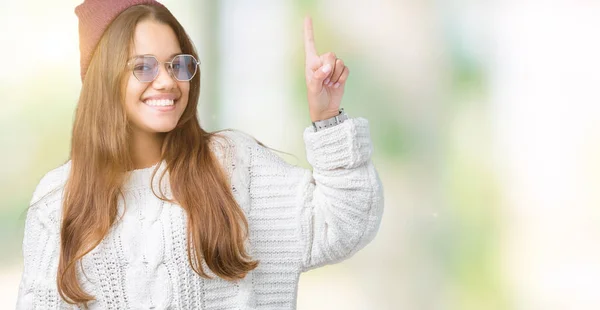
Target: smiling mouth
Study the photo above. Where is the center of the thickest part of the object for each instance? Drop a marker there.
(159, 103)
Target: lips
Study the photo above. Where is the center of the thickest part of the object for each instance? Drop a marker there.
(158, 97)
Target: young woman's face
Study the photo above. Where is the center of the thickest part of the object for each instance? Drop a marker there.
(155, 107)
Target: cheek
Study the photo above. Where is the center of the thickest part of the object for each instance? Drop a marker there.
(133, 92)
(184, 88)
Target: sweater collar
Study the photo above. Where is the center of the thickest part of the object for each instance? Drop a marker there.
(142, 178)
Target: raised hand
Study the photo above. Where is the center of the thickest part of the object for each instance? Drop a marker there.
(326, 77)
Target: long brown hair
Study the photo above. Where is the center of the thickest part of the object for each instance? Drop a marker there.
(100, 159)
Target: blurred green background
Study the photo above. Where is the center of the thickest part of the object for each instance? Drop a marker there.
(484, 117)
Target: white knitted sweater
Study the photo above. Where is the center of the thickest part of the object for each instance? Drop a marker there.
(298, 220)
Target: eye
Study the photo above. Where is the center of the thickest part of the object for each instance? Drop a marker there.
(142, 68)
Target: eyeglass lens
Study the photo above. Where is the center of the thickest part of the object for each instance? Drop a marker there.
(182, 67)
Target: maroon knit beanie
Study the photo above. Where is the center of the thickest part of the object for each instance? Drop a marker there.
(94, 17)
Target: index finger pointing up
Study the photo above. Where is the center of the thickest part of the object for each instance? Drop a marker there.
(309, 39)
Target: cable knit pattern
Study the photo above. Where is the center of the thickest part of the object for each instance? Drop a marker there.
(299, 220)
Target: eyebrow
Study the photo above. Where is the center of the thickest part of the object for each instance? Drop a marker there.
(171, 56)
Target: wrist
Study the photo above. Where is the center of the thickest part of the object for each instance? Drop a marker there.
(324, 115)
(337, 119)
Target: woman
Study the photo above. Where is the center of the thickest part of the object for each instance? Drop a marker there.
(153, 212)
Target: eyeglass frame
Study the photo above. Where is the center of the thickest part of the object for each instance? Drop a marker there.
(169, 67)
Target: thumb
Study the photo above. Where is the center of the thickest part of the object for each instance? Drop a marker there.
(320, 75)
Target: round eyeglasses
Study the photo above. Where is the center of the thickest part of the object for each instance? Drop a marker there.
(182, 67)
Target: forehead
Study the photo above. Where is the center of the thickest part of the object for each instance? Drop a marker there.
(155, 38)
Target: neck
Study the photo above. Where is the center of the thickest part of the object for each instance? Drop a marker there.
(145, 148)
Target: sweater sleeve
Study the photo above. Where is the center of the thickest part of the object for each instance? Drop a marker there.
(37, 289)
(339, 204)
(342, 203)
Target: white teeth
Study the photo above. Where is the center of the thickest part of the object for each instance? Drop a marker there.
(161, 103)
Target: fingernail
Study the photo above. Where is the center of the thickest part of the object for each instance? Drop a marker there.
(327, 81)
(336, 85)
(330, 83)
(326, 68)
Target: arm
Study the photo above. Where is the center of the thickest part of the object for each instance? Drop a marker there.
(37, 289)
(342, 204)
(40, 246)
(336, 208)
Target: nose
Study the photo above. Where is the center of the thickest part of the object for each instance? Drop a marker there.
(164, 80)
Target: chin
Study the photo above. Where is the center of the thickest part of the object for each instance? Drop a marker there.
(164, 129)
(159, 128)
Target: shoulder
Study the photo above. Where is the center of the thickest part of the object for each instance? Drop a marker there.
(234, 142)
(234, 137)
(51, 184)
(244, 149)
